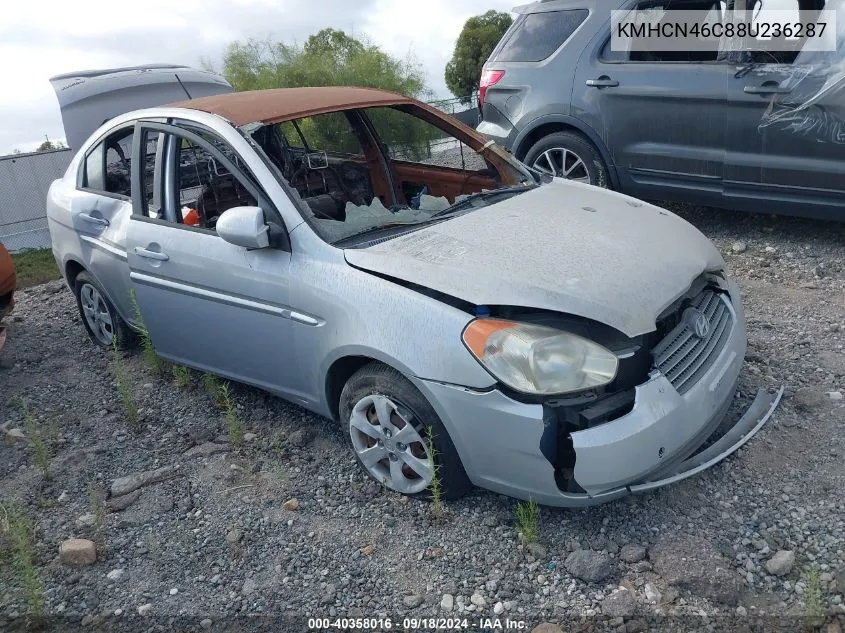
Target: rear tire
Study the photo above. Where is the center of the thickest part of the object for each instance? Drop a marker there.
(568, 155)
(391, 454)
(102, 322)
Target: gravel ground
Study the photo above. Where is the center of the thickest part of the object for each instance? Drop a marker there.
(287, 525)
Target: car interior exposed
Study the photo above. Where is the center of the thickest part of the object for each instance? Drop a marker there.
(363, 168)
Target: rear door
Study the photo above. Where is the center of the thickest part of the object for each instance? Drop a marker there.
(662, 114)
(100, 210)
(207, 303)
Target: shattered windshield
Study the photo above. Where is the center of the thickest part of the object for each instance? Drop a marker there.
(380, 169)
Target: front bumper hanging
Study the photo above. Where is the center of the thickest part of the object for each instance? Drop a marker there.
(752, 421)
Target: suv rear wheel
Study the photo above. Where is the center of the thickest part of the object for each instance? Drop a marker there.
(568, 155)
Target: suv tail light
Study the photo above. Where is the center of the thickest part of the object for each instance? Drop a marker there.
(488, 78)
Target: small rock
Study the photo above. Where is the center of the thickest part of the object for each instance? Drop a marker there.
(300, 437)
(412, 602)
(145, 609)
(115, 574)
(118, 504)
(478, 600)
(651, 593)
(85, 521)
(770, 250)
(233, 536)
(15, 434)
(77, 551)
(833, 627)
(547, 627)
(632, 553)
(741, 611)
(588, 565)
(739, 247)
(835, 395)
(781, 563)
(206, 624)
(291, 504)
(248, 587)
(249, 437)
(174, 591)
(368, 550)
(447, 603)
(536, 550)
(130, 483)
(620, 603)
(63, 497)
(498, 608)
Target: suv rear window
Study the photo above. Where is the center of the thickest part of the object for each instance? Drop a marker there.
(535, 36)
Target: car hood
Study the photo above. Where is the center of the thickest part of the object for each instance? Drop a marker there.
(563, 246)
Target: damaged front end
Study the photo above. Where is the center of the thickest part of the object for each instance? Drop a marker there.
(661, 420)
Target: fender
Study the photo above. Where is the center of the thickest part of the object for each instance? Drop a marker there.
(580, 126)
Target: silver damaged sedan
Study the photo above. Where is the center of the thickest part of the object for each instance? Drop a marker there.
(373, 260)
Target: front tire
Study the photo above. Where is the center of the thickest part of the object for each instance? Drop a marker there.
(568, 155)
(102, 322)
(389, 423)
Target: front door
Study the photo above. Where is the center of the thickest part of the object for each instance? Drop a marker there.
(661, 114)
(206, 303)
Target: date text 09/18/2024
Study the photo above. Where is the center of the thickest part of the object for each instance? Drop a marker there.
(410, 625)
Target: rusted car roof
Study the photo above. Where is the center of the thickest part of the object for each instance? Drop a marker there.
(284, 104)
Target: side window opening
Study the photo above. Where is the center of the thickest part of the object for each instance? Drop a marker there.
(107, 166)
(201, 188)
(358, 170)
(535, 36)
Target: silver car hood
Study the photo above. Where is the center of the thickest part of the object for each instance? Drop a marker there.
(564, 246)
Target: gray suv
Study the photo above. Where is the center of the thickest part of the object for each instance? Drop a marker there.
(756, 131)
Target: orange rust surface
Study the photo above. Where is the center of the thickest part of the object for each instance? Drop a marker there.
(7, 272)
(284, 104)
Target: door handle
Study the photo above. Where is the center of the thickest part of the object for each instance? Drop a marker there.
(91, 219)
(767, 88)
(602, 82)
(140, 251)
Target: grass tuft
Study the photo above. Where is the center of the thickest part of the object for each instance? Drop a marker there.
(97, 501)
(148, 350)
(212, 387)
(39, 442)
(125, 391)
(234, 428)
(182, 376)
(435, 488)
(19, 531)
(35, 266)
(813, 603)
(527, 515)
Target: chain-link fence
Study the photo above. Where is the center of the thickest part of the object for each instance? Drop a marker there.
(24, 180)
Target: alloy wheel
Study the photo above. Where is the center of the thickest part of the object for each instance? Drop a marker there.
(389, 446)
(96, 314)
(563, 163)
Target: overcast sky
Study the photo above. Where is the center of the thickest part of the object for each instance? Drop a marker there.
(42, 38)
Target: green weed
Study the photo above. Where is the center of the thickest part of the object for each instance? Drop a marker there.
(126, 391)
(527, 515)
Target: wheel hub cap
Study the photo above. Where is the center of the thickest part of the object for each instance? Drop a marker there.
(389, 446)
(96, 314)
(563, 163)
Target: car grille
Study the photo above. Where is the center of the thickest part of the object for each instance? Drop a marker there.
(684, 357)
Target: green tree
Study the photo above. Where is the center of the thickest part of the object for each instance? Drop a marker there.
(477, 40)
(328, 58)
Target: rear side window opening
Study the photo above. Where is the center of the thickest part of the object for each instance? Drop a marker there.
(535, 36)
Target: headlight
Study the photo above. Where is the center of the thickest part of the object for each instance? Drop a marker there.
(537, 359)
